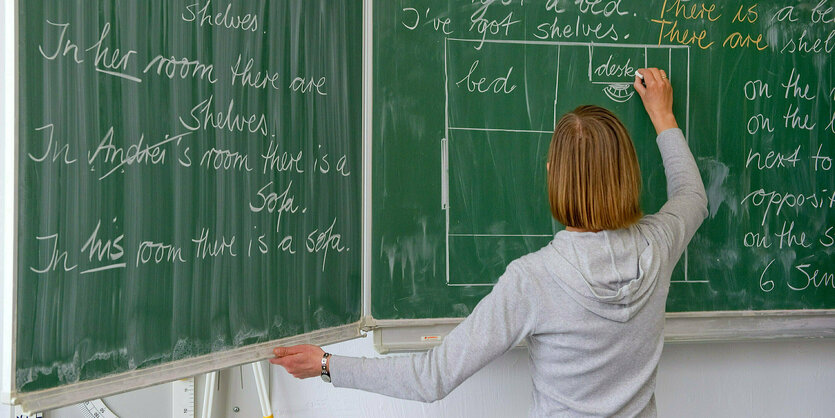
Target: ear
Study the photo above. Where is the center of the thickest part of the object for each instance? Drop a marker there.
(547, 167)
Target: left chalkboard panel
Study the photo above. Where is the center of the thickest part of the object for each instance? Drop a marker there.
(189, 180)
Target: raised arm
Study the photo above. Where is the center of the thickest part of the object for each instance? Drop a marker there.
(686, 205)
(501, 320)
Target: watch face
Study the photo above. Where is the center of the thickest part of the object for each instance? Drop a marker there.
(326, 377)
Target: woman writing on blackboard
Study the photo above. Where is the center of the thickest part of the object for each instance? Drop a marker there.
(590, 304)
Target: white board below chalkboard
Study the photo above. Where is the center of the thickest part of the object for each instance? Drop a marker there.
(422, 334)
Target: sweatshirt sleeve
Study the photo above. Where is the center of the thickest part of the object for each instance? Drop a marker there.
(686, 206)
(500, 321)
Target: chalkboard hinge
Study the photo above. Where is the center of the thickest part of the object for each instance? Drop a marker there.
(444, 174)
(368, 324)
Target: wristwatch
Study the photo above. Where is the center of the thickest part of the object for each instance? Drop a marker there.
(326, 374)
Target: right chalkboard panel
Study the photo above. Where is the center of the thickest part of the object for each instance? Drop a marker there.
(465, 109)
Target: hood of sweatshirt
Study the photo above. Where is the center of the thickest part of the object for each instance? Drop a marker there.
(612, 273)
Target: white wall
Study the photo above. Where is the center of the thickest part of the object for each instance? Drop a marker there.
(757, 379)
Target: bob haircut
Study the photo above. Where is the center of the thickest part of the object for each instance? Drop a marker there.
(594, 181)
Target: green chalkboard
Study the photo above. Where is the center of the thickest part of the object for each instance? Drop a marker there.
(463, 119)
(189, 179)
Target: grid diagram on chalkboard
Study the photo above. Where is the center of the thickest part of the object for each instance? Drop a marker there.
(493, 155)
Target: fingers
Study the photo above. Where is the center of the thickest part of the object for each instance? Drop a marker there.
(651, 77)
(657, 96)
(294, 364)
(660, 76)
(639, 85)
(289, 351)
(654, 76)
(663, 80)
(285, 351)
(278, 361)
(286, 361)
(301, 361)
(653, 80)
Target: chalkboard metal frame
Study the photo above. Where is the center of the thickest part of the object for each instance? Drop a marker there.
(401, 335)
(8, 197)
(137, 379)
(367, 129)
(52, 398)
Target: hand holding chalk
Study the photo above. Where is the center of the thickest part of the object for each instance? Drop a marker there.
(656, 92)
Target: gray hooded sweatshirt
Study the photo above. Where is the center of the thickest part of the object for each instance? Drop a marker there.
(590, 306)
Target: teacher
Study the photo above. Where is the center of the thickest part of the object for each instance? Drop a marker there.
(590, 304)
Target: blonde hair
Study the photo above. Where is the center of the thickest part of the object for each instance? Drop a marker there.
(594, 180)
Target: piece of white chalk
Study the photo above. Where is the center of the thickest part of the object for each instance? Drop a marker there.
(641, 76)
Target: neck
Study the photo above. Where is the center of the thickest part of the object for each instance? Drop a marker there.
(573, 229)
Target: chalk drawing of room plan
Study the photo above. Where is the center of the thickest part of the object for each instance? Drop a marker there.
(503, 99)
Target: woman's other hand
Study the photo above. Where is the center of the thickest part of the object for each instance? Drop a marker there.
(657, 94)
(302, 361)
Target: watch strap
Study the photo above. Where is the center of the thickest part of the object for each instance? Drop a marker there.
(326, 375)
